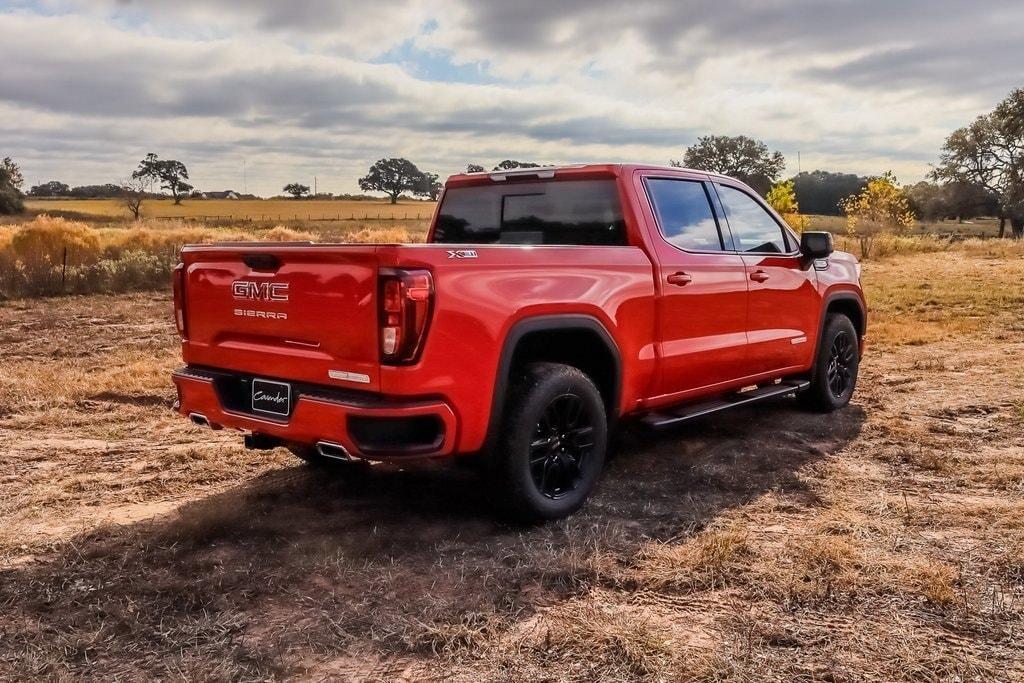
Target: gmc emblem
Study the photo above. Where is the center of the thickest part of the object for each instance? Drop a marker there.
(260, 291)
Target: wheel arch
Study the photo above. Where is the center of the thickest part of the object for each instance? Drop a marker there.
(559, 339)
(847, 303)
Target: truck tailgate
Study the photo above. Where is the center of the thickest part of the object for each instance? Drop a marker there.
(297, 312)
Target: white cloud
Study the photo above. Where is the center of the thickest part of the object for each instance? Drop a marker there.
(299, 89)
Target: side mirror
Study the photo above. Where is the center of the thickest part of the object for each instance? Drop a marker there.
(815, 245)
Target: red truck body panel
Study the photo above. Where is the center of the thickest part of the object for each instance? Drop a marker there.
(331, 315)
(313, 318)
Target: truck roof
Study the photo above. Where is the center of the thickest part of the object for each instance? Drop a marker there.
(578, 171)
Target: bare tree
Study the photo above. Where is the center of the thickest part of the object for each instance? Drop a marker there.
(131, 196)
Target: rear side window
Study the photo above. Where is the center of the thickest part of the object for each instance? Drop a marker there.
(753, 228)
(684, 214)
(584, 212)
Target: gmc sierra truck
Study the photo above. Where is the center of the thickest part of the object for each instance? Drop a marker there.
(547, 305)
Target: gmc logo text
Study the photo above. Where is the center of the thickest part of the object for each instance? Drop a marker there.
(260, 291)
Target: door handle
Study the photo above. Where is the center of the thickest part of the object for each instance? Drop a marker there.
(680, 279)
(759, 276)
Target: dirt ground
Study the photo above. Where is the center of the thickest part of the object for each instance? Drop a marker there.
(882, 542)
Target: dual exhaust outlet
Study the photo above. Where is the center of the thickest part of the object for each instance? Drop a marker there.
(199, 420)
(333, 451)
(325, 449)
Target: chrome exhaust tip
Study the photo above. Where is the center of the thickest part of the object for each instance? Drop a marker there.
(199, 419)
(334, 451)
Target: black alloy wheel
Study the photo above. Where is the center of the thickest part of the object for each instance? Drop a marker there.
(836, 364)
(840, 364)
(550, 447)
(562, 441)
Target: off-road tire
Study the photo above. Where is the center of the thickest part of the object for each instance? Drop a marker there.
(529, 445)
(834, 375)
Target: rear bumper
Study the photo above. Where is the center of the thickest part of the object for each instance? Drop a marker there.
(367, 426)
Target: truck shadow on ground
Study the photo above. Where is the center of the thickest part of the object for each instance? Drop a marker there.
(305, 558)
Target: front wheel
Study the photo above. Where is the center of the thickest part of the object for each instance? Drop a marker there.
(551, 447)
(835, 366)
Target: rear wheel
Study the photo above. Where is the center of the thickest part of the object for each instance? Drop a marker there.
(835, 367)
(552, 443)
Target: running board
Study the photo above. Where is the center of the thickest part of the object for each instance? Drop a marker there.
(661, 420)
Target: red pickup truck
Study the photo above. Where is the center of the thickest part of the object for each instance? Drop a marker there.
(546, 305)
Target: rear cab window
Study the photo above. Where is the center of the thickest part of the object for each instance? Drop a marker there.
(684, 214)
(566, 212)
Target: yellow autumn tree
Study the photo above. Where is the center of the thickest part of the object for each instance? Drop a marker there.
(882, 206)
(782, 198)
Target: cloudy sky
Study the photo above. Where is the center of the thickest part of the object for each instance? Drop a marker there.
(325, 87)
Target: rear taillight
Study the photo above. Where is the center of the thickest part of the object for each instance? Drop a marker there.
(179, 299)
(406, 297)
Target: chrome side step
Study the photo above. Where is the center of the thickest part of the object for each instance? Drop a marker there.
(685, 413)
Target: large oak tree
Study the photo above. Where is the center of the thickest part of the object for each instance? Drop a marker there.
(739, 157)
(393, 176)
(990, 152)
(296, 190)
(170, 173)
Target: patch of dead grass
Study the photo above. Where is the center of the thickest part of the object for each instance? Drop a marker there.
(710, 560)
(598, 639)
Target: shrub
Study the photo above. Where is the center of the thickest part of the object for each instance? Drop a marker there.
(10, 200)
(32, 256)
(279, 233)
(133, 270)
(138, 257)
(782, 198)
(380, 236)
(40, 249)
(881, 207)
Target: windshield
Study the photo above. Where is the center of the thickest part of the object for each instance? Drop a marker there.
(583, 212)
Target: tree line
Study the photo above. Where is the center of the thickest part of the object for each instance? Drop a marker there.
(980, 173)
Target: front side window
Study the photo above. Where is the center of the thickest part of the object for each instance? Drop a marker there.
(571, 212)
(684, 214)
(753, 228)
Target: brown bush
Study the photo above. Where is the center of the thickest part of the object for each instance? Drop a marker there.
(280, 233)
(35, 254)
(137, 257)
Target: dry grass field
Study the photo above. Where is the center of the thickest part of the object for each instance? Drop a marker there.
(47, 255)
(975, 227)
(261, 210)
(271, 211)
(883, 542)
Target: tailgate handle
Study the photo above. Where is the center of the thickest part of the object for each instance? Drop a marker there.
(261, 261)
